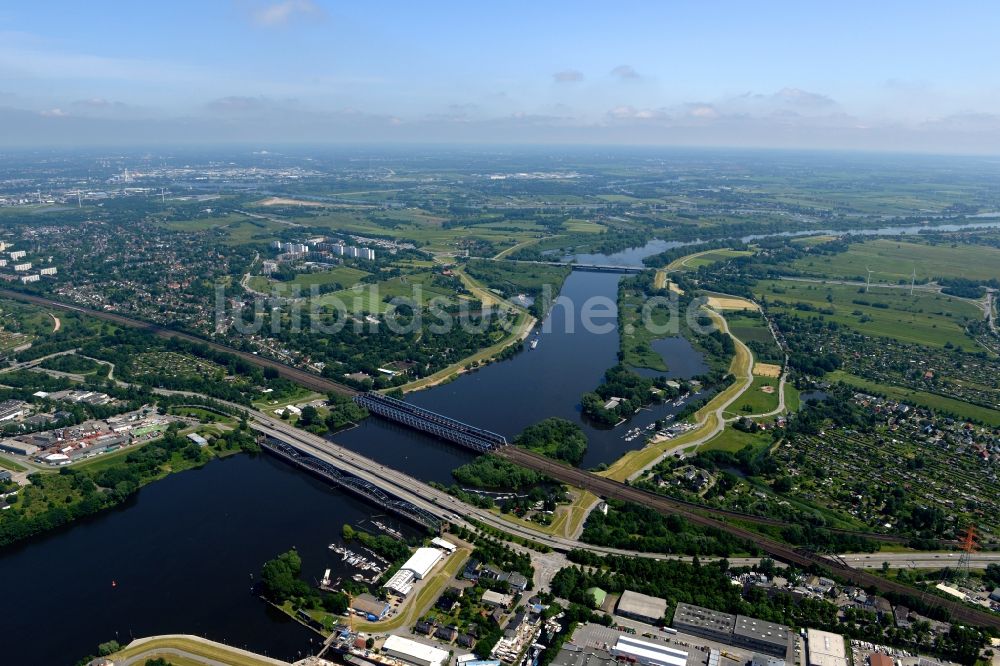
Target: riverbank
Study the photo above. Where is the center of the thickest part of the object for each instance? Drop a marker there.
(187, 649)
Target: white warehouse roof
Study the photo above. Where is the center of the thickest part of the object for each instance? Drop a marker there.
(422, 561)
(649, 653)
(413, 652)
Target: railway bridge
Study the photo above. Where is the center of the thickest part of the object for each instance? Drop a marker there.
(418, 418)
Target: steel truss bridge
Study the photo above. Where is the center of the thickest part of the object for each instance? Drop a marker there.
(339, 477)
(418, 418)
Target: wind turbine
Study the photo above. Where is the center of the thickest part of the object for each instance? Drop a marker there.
(868, 282)
(163, 196)
(913, 279)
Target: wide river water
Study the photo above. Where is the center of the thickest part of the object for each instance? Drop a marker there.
(179, 557)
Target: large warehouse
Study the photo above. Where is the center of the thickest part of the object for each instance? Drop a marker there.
(415, 568)
(704, 622)
(641, 607)
(825, 649)
(413, 652)
(648, 654)
(762, 636)
(422, 561)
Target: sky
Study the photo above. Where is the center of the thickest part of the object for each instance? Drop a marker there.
(897, 76)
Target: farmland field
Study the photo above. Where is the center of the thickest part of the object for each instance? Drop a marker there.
(894, 261)
(924, 318)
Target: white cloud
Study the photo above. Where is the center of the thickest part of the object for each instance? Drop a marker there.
(625, 73)
(281, 13)
(567, 76)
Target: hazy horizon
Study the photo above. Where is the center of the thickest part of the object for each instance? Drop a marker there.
(897, 77)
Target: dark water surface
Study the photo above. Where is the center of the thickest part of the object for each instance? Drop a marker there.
(178, 558)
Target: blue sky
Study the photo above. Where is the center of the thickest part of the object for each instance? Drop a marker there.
(882, 76)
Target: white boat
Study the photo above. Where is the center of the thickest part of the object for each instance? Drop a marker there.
(534, 343)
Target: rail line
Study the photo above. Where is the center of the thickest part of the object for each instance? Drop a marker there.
(303, 377)
(612, 489)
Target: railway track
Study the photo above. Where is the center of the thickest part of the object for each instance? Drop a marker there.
(303, 377)
(714, 511)
(608, 488)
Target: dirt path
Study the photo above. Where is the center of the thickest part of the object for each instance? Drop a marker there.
(56, 323)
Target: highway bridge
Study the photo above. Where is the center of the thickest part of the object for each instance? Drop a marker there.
(418, 418)
(344, 479)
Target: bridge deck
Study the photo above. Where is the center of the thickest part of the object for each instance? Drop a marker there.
(348, 481)
(449, 429)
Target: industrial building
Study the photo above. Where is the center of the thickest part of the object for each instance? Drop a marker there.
(738, 630)
(413, 652)
(767, 660)
(415, 568)
(447, 546)
(825, 649)
(12, 409)
(761, 636)
(367, 605)
(641, 607)
(704, 622)
(422, 561)
(648, 654)
(18, 448)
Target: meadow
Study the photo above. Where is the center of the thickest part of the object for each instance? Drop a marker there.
(894, 261)
(925, 318)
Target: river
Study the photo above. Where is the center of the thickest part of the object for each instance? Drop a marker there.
(178, 557)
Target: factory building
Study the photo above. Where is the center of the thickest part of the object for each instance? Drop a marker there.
(12, 409)
(703, 622)
(641, 607)
(413, 652)
(415, 568)
(648, 654)
(18, 448)
(761, 636)
(825, 648)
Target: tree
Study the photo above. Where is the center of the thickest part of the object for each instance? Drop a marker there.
(109, 647)
(280, 577)
(556, 438)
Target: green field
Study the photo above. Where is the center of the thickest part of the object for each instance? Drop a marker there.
(713, 257)
(584, 226)
(894, 262)
(346, 276)
(239, 229)
(733, 440)
(924, 318)
(755, 400)
(921, 398)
